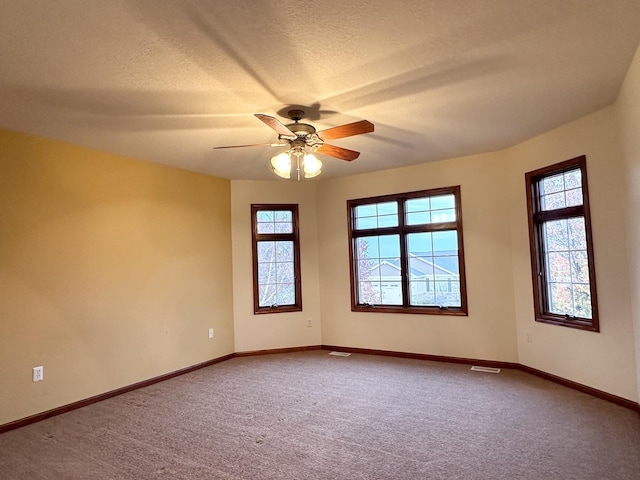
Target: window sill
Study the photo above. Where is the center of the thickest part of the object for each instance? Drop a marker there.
(410, 310)
(580, 324)
(288, 308)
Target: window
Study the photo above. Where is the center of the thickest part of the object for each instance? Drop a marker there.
(276, 259)
(564, 281)
(406, 253)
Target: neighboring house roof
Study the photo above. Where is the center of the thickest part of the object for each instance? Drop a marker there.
(419, 266)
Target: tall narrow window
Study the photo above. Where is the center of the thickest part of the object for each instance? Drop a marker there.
(563, 273)
(276, 259)
(406, 253)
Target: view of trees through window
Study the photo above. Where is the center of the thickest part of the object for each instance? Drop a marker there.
(276, 258)
(562, 258)
(406, 252)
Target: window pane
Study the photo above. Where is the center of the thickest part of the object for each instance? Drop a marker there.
(284, 251)
(281, 227)
(266, 251)
(366, 222)
(417, 205)
(440, 216)
(567, 267)
(278, 221)
(434, 210)
(561, 190)
(387, 221)
(265, 216)
(418, 218)
(582, 301)
(448, 293)
(553, 201)
(389, 246)
(442, 202)
(420, 243)
(266, 273)
(577, 234)
(378, 270)
(266, 295)
(445, 241)
(391, 292)
(285, 272)
(579, 267)
(556, 236)
(573, 179)
(367, 247)
(369, 293)
(422, 293)
(558, 267)
(377, 215)
(574, 197)
(286, 294)
(560, 298)
(552, 184)
(435, 269)
(264, 227)
(283, 216)
(388, 208)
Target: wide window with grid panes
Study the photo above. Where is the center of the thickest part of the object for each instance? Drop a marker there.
(276, 259)
(406, 253)
(562, 266)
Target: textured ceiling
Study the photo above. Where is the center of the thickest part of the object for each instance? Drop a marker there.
(165, 81)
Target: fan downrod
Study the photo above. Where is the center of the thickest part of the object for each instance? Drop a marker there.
(296, 115)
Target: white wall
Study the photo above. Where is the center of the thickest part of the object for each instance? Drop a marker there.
(275, 330)
(628, 109)
(602, 360)
(489, 330)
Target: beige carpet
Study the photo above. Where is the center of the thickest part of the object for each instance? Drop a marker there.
(309, 415)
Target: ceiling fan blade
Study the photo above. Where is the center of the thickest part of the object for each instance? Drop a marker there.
(338, 152)
(277, 125)
(253, 145)
(348, 130)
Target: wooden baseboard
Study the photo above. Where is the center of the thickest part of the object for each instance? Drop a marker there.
(623, 402)
(103, 396)
(251, 353)
(630, 404)
(418, 356)
(423, 356)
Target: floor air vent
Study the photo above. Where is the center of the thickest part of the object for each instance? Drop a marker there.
(340, 354)
(485, 369)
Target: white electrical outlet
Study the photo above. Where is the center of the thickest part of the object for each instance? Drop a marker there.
(528, 334)
(211, 333)
(309, 324)
(38, 373)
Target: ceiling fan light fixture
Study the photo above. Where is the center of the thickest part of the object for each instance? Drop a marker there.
(312, 166)
(281, 165)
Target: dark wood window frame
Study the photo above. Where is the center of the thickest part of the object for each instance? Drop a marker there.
(403, 230)
(271, 237)
(537, 218)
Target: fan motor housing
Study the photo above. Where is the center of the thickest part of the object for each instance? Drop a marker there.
(301, 129)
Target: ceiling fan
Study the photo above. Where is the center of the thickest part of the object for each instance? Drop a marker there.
(303, 140)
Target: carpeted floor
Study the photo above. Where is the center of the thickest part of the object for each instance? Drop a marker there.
(308, 416)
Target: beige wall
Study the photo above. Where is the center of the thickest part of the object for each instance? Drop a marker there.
(489, 330)
(276, 330)
(628, 109)
(602, 360)
(111, 272)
